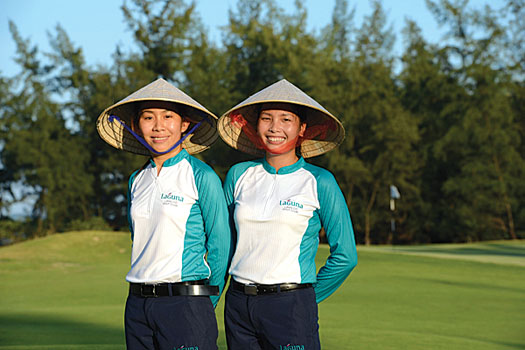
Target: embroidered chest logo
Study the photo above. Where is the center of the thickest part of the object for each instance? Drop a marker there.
(171, 199)
(290, 205)
(186, 348)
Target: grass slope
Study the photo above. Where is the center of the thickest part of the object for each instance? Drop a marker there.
(498, 252)
(68, 291)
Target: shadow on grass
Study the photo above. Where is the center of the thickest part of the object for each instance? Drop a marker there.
(510, 345)
(499, 344)
(31, 330)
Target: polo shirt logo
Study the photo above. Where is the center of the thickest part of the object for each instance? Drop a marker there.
(290, 205)
(171, 199)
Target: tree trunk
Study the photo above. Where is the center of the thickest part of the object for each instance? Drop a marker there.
(349, 196)
(368, 211)
(506, 200)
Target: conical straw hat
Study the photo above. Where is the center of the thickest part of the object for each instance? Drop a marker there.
(315, 115)
(126, 110)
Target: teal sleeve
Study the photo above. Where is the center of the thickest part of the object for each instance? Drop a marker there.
(215, 217)
(130, 184)
(229, 187)
(337, 224)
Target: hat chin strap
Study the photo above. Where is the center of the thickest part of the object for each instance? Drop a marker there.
(145, 144)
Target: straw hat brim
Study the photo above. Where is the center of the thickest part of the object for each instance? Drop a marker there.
(313, 114)
(116, 135)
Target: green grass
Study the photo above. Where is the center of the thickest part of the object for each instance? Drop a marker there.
(68, 291)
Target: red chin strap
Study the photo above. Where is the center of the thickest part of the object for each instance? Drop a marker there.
(239, 121)
(310, 132)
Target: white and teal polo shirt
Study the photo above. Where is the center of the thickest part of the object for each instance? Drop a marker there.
(179, 223)
(277, 218)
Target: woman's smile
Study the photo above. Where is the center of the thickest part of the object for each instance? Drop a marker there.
(275, 140)
(159, 139)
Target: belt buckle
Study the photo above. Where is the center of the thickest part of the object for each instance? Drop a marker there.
(250, 289)
(148, 290)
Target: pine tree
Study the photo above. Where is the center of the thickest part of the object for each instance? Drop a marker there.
(43, 156)
(381, 135)
(482, 137)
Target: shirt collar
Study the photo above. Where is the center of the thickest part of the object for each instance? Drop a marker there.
(183, 154)
(286, 169)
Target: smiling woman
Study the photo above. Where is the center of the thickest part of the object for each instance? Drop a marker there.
(281, 198)
(177, 215)
(162, 128)
(279, 129)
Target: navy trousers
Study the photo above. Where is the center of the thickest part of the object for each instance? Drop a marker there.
(282, 321)
(176, 322)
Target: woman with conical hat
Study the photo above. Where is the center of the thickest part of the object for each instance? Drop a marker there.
(277, 205)
(178, 219)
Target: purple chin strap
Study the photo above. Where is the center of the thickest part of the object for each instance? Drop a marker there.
(145, 144)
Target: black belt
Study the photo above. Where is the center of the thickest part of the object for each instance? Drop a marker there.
(258, 289)
(194, 288)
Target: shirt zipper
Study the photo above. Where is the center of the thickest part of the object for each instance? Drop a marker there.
(269, 195)
(155, 191)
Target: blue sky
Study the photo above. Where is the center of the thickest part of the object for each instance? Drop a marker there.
(97, 26)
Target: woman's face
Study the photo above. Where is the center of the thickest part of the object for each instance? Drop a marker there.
(279, 129)
(161, 127)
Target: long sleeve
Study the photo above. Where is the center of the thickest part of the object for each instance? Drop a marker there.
(215, 216)
(229, 186)
(130, 184)
(336, 221)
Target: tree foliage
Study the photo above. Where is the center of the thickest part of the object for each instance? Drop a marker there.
(443, 122)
